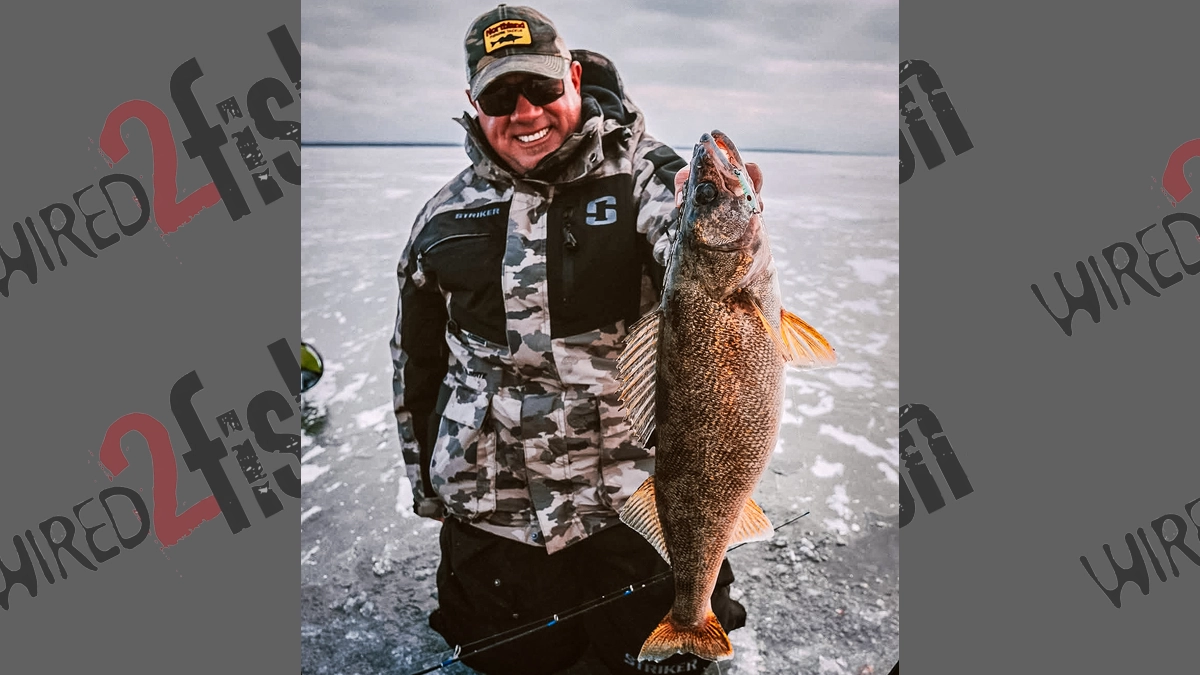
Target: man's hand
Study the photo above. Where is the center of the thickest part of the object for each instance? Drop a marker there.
(751, 168)
(430, 508)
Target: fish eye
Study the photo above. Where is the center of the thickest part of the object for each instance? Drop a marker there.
(705, 192)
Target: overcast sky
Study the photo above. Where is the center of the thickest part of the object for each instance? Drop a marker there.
(802, 75)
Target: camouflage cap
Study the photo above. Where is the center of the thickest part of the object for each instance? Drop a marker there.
(514, 40)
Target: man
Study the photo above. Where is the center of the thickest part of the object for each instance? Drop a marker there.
(517, 287)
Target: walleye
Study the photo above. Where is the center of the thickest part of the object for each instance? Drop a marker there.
(706, 370)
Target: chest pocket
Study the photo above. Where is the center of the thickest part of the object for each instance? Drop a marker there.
(594, 261)
(462, 253)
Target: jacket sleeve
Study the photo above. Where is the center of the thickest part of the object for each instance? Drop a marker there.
(655, 166)
(419, 363)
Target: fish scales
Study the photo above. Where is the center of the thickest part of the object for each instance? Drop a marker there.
(716, 348)
(717, 428)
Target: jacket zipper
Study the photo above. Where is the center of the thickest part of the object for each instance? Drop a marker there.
(421, 254)
(568, 260)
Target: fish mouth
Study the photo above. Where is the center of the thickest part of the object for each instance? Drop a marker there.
(716, 160)
(717, 155)
(722, 148)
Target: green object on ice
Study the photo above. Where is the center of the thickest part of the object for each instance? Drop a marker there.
(312, 366)
(308, 358)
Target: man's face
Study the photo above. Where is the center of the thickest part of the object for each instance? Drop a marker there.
(523, 137)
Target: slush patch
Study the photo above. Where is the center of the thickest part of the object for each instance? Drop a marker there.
(506, 34)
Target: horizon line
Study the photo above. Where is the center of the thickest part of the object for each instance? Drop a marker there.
(439, 144)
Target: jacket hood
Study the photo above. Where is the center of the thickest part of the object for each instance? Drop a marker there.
(607, 117)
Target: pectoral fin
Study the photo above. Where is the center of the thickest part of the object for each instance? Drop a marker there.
(641, 513)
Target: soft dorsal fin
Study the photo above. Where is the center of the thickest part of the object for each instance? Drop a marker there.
(641, 513)
(638, 365)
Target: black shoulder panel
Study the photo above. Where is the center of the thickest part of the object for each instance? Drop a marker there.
(666, 163)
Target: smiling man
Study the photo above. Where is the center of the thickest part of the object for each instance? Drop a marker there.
(517, 286)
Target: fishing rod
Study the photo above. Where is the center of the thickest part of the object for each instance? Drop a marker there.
(534, 626)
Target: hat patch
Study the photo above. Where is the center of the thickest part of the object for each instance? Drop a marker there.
(506, 34)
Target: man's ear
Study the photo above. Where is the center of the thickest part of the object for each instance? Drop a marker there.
(576, 75)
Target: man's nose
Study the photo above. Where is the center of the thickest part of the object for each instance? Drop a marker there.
(525, 110)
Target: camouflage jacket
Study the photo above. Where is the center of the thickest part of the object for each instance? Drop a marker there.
(515, 295)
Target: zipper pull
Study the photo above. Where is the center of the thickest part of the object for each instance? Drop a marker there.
(418, 275)
(569, 239)
(568, 258)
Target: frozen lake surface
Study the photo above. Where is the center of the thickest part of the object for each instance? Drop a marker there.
(823, 597)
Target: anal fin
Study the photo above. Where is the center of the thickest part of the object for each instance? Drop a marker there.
(641, 513)
(753, 525)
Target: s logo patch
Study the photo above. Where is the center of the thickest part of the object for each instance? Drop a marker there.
(610, 213)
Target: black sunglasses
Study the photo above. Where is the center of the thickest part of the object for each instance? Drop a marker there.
(499, 100)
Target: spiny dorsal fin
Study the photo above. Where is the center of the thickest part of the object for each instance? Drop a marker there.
(641, 513)
(638, 365)
(752, 525)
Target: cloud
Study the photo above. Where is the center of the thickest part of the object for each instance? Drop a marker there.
(772, 74)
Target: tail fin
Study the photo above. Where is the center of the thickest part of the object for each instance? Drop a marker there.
(708, 640)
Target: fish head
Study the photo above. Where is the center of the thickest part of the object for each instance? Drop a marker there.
(719, 203)
(720, 216)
